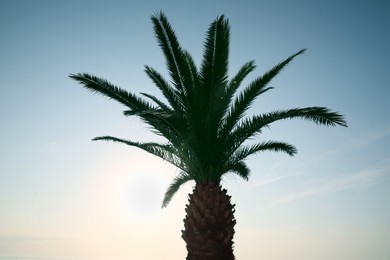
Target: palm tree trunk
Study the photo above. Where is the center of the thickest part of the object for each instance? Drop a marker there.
(209, 223)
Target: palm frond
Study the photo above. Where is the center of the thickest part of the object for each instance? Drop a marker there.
(191, 75)
(165, 151)
(164, 123)
(231, 89)
(172, 95)
(209, 99)
(318, 115)
(235, 162)
(102, 86)
(237, 167)
(177, 59)
(213, 73)
(192, 105)
(182, 178)
(147, 114)
(244, 151)
(252, 126)
(236, 81)
(161, 104)
(250, 93)
(215, 62)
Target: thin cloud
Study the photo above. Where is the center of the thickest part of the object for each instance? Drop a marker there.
(373, 137)
(358, 143)
(270, 180)
(362, 178)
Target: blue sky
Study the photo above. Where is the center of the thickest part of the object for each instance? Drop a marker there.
(65, 196)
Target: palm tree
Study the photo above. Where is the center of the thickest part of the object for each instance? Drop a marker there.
(203, 121)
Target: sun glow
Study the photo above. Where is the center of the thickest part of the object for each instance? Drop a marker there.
(133, 189)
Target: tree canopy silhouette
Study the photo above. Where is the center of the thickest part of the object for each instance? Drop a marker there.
(203, 119)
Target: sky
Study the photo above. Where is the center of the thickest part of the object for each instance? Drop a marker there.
(62, 195)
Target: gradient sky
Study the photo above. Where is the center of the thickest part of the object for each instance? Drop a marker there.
(63, 195)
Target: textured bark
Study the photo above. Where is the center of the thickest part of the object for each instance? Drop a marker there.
(209, 224)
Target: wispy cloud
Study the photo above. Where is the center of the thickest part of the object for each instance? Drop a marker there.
(372, 137)
(271, 179)
(362, 178)
(277, 172)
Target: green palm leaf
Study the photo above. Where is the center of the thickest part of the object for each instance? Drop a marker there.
(179, 180)
(253, 126)
(179, 62)
(213, 74)
(172, 95)
(243, 152)
(250, 93)
(237, 167)
(105, 88)
(165, 151)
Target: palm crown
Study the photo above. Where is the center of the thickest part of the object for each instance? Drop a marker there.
(203, 116)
